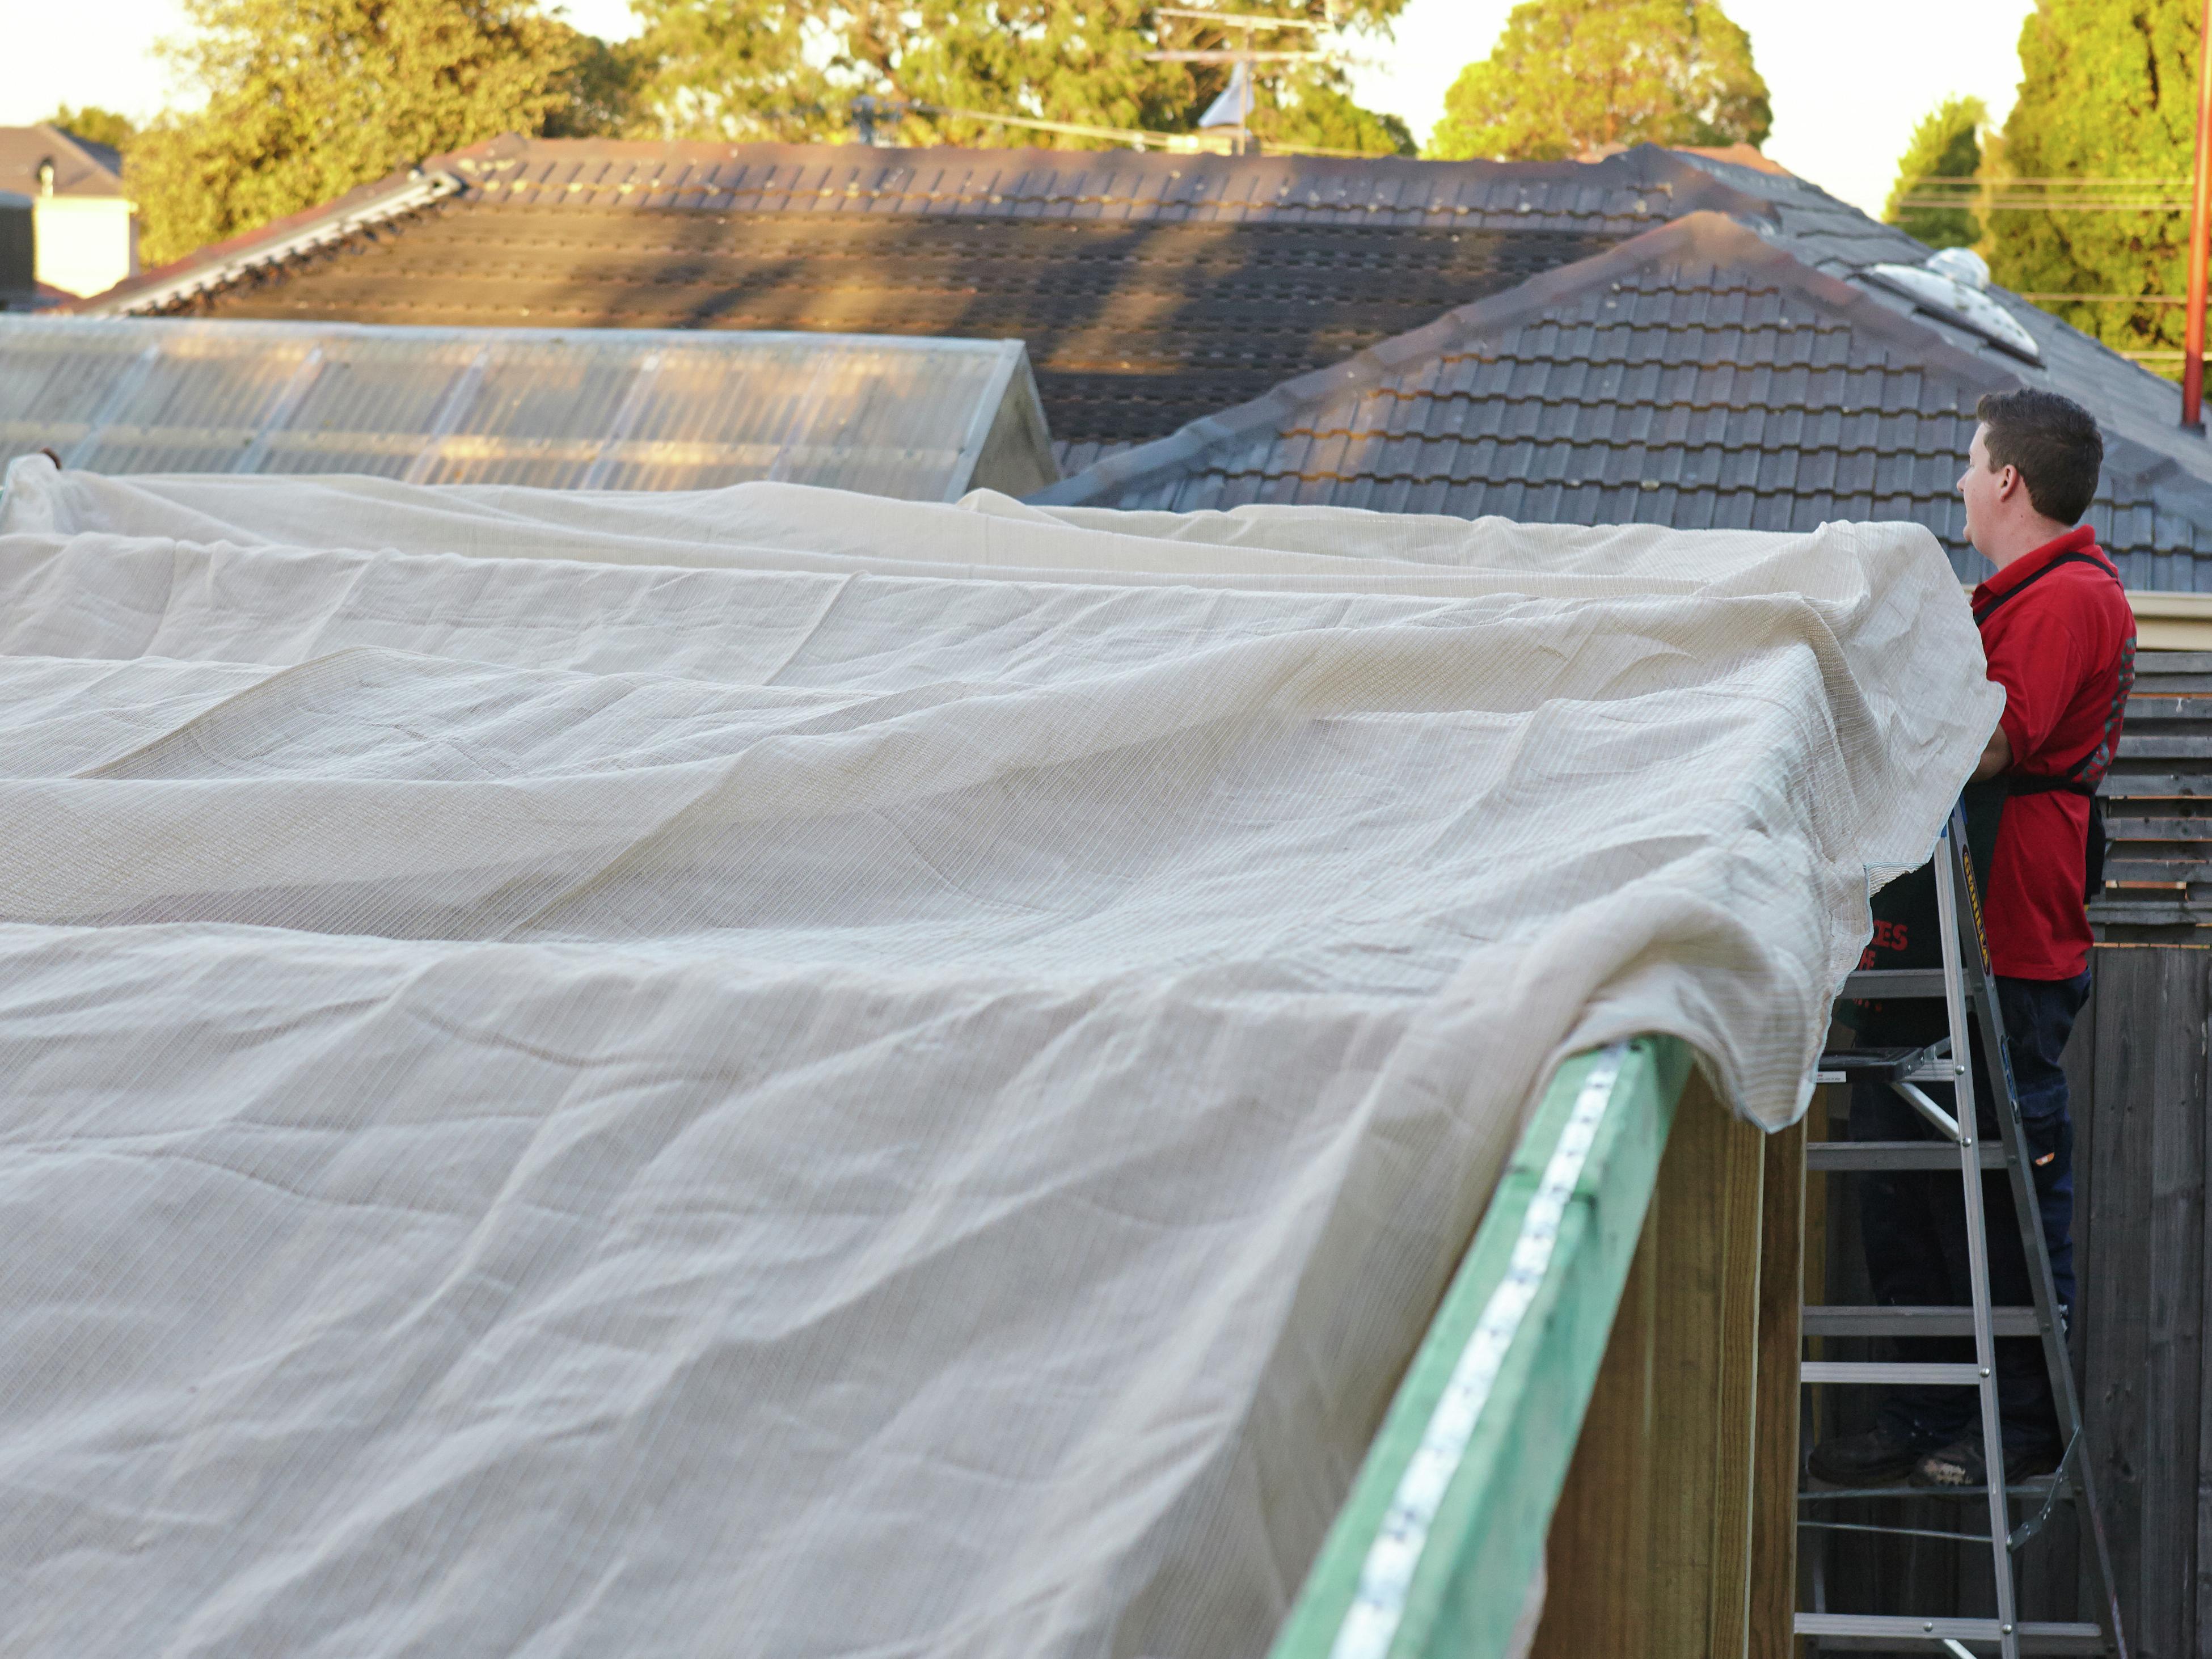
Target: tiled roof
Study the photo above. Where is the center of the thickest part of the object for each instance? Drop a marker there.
(1150, 289)
(1701, 374)
(81, 167)
(1836, 238)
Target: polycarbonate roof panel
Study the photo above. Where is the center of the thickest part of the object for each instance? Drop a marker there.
(573, 409)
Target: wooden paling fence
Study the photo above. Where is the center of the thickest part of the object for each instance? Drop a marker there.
(2137, 1064)
(2158, 805)
(2140, 1095)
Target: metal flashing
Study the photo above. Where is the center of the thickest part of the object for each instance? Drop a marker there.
(376, 204)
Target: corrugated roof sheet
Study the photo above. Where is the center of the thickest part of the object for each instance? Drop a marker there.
(1695, 376)
(1150, 289)
(924, 419)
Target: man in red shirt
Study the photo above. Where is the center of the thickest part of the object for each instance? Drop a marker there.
(2059, 636)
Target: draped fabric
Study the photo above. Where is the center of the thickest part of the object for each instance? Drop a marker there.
(772, 1071)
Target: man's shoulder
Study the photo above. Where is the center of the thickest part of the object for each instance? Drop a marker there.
(2086, 586)
(2097, 588)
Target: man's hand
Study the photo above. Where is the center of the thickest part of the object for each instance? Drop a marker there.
(1995, 757)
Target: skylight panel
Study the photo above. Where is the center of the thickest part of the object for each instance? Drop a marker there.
(1951, 285)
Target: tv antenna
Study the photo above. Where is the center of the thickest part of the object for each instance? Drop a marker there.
(1233, 108)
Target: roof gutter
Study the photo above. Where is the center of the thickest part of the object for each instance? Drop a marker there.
(2172, 622)
(418, 190)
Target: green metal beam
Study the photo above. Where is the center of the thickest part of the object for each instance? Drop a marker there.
(1433, 1551)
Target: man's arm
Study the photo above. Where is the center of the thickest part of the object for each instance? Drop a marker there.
(1995, 757)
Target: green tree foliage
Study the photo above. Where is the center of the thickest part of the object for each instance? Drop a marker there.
(95, 126)
(2108, 90)
(600, 92)
(308, 98)
(791, 69)
(1324, 117)
(737, 69)
(1569, 76)
(1946, 144)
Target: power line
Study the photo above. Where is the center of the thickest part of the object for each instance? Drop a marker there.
(1248, 19)
(2109, 299)
(1135, 137)
(2087, 193)
(1977, 204)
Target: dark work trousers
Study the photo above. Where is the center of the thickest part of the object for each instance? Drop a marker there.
(1914, 1222)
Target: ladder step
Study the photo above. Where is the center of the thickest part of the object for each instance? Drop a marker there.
(1884, 1065)
(1894, 984)
(1864, 1630)
(2036, 1489)
(1886, 1370)
(1836, 1320)
(1847, 1157)
(1935, 1070)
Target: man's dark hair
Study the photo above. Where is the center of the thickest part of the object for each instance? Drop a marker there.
(2051, 441)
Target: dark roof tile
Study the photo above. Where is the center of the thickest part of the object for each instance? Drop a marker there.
(1124, 272)
(1753, 388)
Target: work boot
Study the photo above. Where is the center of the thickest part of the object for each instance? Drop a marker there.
(1961, 1464)
(1872, 1459)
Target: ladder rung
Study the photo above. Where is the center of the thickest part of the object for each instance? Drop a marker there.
(1894, 984)
(1885, 1370)
(1889, 1065)
(1844, 1156)
(1875, 1631)
(1839, 1109)
(2034, 1490)
(1836, 1320)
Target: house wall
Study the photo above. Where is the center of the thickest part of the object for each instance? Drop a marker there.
(86, 244)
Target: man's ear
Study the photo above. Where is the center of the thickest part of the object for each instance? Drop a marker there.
(2008, 480)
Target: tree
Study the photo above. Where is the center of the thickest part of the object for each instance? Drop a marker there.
(95, 126)
(735, 69)
(306, 99)
(791, 69)
(1324, 117)
(1946, 144)
(600, 92)
(2108, 90)
(1569, 76)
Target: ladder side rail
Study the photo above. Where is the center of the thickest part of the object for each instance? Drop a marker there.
(2027, 1211)
(2027, 1208)
(1952, 921)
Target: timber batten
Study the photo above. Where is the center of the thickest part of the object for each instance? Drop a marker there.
(1631, 1435)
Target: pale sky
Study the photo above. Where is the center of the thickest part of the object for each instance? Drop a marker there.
(1846, 95)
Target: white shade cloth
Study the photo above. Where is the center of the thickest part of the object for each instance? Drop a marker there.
(772, 1071)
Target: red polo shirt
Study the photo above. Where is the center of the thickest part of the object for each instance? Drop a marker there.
(2062, 645)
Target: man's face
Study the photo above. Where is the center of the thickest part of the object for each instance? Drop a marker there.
(1979, 486)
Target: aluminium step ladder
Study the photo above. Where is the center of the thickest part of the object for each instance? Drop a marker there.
(1964, 982)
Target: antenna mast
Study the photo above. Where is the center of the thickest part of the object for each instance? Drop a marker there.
(1243, 60)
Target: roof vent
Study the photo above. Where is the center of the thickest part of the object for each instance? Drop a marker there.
(1952, 285)
(1961, 264)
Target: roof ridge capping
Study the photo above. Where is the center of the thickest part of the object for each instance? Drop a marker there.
(976, 177)
(398, 192)
(1646, 167)
(1703, 237)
